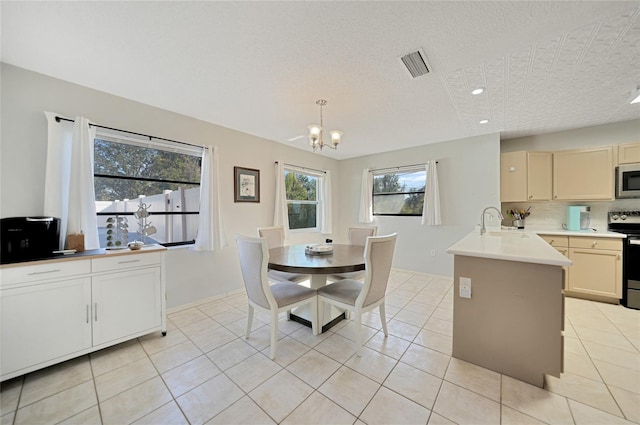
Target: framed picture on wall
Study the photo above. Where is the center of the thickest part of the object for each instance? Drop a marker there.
(246, 184)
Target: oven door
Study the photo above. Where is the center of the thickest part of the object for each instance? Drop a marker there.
(632, 271)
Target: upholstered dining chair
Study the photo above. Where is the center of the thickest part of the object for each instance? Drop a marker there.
(275, 298)
(359, 297)
(275, 238)
(357, 236)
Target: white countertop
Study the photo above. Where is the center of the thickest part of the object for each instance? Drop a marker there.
(589, 233)
(509, 245)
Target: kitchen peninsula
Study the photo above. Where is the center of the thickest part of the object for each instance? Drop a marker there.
(508, 313)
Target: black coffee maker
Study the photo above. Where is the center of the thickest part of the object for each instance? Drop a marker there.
(28, 238)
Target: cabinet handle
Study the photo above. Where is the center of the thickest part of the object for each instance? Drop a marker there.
(45, 272)
(555, 197)
(530, 196)
(87, 313)
(130, 261)
(618, 256)
(593, 245)
(95, 311)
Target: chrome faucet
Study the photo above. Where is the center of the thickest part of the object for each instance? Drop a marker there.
(483, 229)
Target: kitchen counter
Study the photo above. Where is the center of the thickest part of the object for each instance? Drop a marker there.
(589, 233)
(510, 245)
(88, 254)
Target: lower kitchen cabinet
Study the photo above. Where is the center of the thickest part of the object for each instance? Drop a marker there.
(59, 310)
(597, 265)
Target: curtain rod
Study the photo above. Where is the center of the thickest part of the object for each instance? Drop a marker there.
(58, 119)
(304, 168)
(398, 167)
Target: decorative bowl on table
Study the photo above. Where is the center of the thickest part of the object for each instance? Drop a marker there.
(319, 249)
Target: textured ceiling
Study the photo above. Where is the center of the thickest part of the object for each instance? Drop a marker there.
(259, 67)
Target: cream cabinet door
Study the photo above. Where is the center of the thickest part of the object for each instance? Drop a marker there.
(628, 154)
(539, 176)
(42, 322)
(596, 272)
(126, 304)
(513, 176)
(583, 174)
(525, 176)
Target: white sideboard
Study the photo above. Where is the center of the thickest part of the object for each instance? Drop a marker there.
(55, 310)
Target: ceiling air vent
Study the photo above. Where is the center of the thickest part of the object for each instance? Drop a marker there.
(416, 63)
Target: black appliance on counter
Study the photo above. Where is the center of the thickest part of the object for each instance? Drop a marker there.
(628, 222)
(28, 238)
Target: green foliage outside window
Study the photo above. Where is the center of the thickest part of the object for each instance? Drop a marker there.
(119, 159)
(302, 199)
(400, 193)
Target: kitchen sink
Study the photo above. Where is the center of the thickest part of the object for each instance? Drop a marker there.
(507, 234)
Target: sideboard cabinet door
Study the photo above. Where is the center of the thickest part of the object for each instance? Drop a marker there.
(126, 304)
(42, 322)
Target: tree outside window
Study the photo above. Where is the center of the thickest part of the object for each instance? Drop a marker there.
(127, 175)
(302, 199)
(399, 193)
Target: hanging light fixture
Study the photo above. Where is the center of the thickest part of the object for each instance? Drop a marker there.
(315, 133)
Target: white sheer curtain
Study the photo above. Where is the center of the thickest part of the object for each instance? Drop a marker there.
(280, 213)
(366, 206)
(69, 188)
(325, 201)
(211, 235)
(431, 209)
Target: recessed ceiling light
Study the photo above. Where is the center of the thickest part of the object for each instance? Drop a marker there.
(479, 90)
(484, 121)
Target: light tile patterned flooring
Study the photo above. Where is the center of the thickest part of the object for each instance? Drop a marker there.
(204, 371)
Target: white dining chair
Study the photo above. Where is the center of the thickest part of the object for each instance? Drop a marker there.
(358, 297)
(275, 238)
(357, 236)
(275, 298)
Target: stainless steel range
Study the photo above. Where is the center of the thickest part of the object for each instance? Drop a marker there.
(628, 222)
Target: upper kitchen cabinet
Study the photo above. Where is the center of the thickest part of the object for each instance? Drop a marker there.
(628, 154)
(584, 174)
(525, 176)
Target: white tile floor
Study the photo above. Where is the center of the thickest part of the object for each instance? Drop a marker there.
(203, 371)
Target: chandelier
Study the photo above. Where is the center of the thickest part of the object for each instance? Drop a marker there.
(315, 133)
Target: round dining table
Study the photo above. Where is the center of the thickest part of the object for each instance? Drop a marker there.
(296, 259)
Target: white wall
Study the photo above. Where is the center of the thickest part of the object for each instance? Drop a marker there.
(190, 275)
(468, 170)
(469, 175)
(599, 135)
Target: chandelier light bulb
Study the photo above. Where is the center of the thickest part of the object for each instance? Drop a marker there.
(336, 137)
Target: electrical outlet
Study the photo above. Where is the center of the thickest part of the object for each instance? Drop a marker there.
(465, 287)
(433, 252)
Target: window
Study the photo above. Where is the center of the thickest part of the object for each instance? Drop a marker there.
(131, 174)
(399, 192)
(303, 205)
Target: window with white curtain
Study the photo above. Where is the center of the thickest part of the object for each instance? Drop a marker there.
(399, 193)
(164, 179)
(304, 207)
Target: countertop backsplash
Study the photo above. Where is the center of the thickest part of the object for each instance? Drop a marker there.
(553, 215)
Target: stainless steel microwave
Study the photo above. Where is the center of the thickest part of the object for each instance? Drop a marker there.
(628, 181)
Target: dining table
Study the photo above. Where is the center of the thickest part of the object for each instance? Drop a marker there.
(300, 260)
